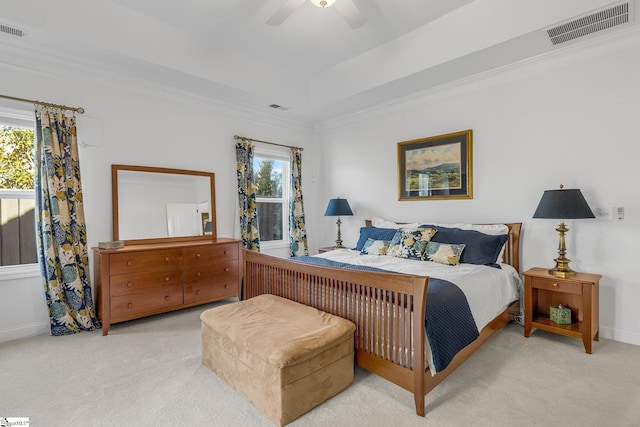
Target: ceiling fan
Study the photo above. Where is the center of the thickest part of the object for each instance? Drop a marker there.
(346, 8)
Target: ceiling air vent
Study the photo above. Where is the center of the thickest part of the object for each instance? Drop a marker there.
(11, 30)
(589, 24)
(278, 107)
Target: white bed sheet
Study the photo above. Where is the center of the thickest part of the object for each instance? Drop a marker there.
(489, 290)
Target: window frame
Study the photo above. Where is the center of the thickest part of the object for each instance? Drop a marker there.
(281, 154)
(24, 118)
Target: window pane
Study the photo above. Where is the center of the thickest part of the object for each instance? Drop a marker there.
(270, 221)
(17, 218)
(268, 177)
(16, 158)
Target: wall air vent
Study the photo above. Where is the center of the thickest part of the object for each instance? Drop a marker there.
(589, 24)
(11, 30)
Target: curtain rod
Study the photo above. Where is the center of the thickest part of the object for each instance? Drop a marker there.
(78, 110)
(245, 139)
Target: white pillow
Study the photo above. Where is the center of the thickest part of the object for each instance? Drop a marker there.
(383, 223)
(491, 229)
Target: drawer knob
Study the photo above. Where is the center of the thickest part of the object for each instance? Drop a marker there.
(226, 286)
(129, 263)
(129, 284)
(198, 255)
(226, 252)
(166, 259)
(166, 297)
(166, 279)
(129, 305)
(226, 269)
(198, 292)
(198, 274)
(555, 285)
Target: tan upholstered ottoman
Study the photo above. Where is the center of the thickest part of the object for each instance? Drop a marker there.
(284, 357)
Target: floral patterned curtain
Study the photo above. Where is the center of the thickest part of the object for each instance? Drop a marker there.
(297, 231)
(61, 230)
(247, 197)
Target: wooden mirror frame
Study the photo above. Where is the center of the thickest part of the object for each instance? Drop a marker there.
(132, 168)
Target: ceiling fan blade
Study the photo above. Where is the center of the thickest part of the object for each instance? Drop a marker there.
(350, 13)
(284, 12)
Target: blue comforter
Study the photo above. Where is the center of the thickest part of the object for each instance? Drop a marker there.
(448, 321)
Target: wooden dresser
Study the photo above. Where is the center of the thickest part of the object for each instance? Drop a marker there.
(146, 279)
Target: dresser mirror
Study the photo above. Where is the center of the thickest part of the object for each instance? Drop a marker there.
(152, 204)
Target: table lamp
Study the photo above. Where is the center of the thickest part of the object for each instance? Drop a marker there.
(562, 204)
(338, 207)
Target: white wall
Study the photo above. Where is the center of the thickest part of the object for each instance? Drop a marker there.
(141, 125)
(572, 121)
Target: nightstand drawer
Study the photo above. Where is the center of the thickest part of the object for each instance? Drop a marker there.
(552, 284)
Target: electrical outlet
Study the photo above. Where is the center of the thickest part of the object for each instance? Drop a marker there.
(604, 214)
(619, 213)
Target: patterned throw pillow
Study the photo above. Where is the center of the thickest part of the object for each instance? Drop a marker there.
(444, 253)
(410, 242)
(375, 247)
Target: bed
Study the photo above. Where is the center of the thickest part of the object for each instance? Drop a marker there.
(389, 308)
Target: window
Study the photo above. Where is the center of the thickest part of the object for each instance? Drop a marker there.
(17, 204)
(271, 174)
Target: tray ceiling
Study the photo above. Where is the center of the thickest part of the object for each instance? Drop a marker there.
(313, 65)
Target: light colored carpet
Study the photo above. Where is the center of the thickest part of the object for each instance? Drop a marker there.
(148, 373)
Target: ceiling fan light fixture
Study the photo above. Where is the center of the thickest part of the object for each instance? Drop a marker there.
(323, 3)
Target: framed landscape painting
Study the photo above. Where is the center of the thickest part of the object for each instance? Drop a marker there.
(437, 167)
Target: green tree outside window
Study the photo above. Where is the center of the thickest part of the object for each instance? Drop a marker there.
(16, 158)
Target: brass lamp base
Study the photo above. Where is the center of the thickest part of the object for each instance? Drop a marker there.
(339, 239)
(562, 268)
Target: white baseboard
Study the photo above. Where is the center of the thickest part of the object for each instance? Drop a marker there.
(40, 328)
(629, 337)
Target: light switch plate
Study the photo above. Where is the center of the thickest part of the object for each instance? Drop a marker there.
(603, 213)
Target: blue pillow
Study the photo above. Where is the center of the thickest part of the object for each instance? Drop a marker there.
(480, 248)
(374, 233)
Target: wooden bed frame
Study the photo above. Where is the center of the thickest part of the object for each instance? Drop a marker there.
(388, 310)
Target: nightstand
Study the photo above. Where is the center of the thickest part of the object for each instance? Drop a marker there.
(580, 293)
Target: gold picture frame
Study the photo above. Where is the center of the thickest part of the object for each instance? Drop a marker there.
(436, 168)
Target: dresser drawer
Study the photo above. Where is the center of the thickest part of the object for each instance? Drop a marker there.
(121, 263)
(127, 307)
(137, 283)
(202, 283)
(208, 254)
(211, 272)
(225, 286)
(557, 285)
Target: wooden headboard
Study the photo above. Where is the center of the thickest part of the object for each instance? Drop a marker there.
(511, 248)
